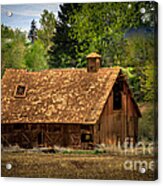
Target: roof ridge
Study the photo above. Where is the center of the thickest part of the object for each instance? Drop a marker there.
(60, 69)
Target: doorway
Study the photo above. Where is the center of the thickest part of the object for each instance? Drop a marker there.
(41, 138)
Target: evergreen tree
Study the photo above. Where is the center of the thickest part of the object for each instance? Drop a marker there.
(33, 32)
(63, 53)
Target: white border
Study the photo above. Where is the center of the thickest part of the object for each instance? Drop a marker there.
(58, 182)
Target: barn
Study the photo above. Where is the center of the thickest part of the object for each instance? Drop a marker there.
(76, 108)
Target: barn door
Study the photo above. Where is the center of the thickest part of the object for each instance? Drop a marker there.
(41, 138)
(117, 129)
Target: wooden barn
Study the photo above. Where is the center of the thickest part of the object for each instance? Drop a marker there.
(76, 108)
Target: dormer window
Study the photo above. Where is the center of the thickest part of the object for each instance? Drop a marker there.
(20, 91)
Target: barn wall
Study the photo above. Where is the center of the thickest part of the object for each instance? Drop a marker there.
(132, 118)
(116, 125)
(34, 135)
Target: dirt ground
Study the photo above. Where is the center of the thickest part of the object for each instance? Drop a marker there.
(77, 166)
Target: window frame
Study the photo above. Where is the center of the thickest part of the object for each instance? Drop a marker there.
(16, 89)
(83, 137)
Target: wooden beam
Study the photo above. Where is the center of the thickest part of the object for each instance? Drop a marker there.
(5, 140)
(25, 136)
(49, 138)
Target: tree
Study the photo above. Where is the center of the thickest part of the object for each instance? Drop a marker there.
(102, 26)
(13, 48)
(140, 56)
(48, 24)
(6, 32)
(35, 59)
(62, 53)
(148, 83)
(33, 32)
(146, 124)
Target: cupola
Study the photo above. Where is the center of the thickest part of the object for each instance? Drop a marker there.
(93, 62)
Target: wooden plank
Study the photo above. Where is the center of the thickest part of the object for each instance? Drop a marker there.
(3, 138)
(25, 136)
(49, 138)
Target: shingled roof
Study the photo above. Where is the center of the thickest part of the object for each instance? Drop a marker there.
(56, 96)
(93, 55)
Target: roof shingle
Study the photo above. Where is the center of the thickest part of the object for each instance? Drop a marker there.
(56, 96)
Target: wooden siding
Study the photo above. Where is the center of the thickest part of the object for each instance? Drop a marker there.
(34, 135)
(116, 125)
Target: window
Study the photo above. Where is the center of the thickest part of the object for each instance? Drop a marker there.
(118, 86)
(117, 96)
(117, 100)
(20, 91)
(86, 138)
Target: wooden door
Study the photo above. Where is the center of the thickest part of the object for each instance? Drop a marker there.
(66, 136)
(41, 138)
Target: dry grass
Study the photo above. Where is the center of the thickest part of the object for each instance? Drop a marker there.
(83, 166)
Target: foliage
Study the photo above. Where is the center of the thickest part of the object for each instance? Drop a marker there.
(146, 124)
(148, 83)
(35, 59)
(140, 57)
(6, 32)
(12, 48)
(17, 54)
(48, 24)
(140, 48)
(101, 27)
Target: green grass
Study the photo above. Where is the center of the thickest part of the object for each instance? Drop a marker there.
(97, 151)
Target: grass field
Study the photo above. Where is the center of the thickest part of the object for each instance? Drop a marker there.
(78, 166)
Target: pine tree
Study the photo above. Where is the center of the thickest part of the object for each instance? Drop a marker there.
(62, 53)
(33, 32)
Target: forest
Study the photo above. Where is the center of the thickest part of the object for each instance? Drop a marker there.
(125, 34)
